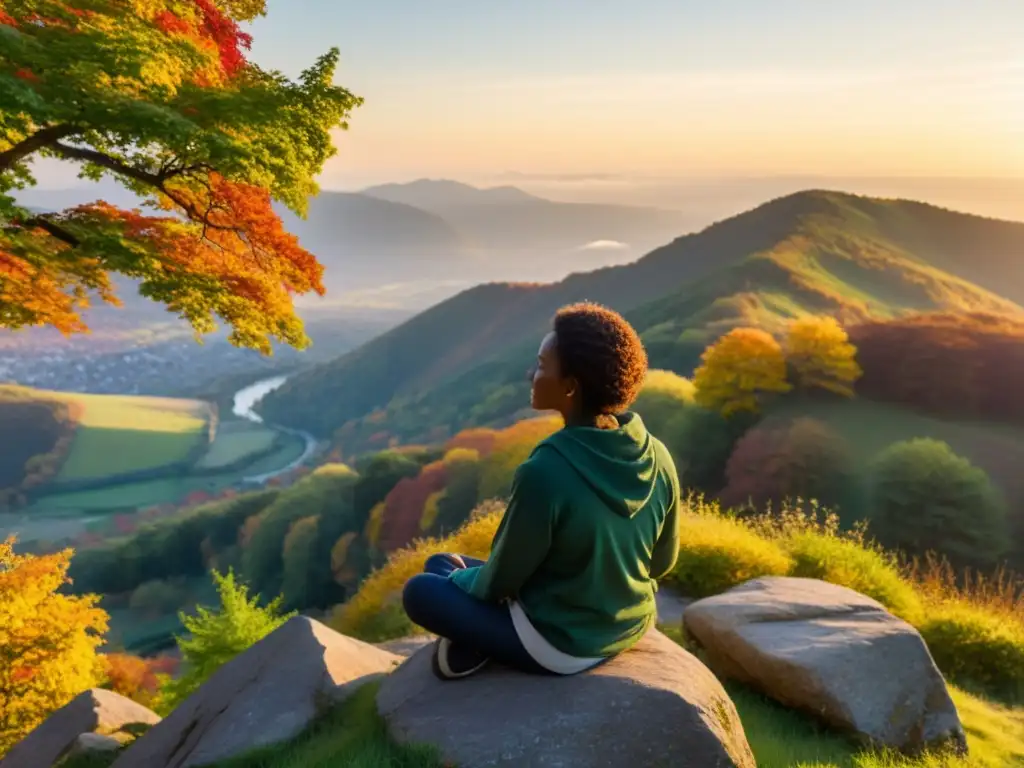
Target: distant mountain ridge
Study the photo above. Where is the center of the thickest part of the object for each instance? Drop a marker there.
(526, 237)
(407, 246)
(463, 361)
(444, 193)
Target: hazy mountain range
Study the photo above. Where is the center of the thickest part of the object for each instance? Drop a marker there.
(462, 362)
(407, 246)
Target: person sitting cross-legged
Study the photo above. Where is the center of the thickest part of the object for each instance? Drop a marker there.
(591, 522)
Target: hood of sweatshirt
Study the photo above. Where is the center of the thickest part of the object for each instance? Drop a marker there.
(621, 465)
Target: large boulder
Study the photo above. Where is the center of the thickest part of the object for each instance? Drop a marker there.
(833, 653)
(95, 711)
(266, 695)
(653, 705)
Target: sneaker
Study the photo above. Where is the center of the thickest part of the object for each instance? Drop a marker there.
(452, 662)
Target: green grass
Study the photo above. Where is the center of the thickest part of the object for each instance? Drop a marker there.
(119, 434)
(169, 490)
(235, 441)
(65, 515)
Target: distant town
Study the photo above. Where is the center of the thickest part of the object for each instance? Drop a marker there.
(147, 370)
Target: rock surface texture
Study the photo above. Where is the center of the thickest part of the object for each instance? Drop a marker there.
(266, 695)
(654, 705)
(95, 711)
(832, 653)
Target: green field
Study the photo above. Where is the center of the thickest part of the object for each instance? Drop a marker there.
(118, 434)
(235, 442)
(65, 515)
(165, 491)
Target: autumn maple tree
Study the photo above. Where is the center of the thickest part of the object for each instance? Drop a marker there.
(159, 95)
(48, 641)
(739, 370)
(821, 356)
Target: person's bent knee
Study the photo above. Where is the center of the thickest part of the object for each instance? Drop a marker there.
(416, 596)
(442, 563)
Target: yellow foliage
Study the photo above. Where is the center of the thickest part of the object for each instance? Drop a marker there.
(513, 446)
(383, 587)
(738, 369)
(461, 455)
(821, 355)
(48, 641)
(669, 383)
(374, 524)
(343, 573)
(430, 510)
(717, 552)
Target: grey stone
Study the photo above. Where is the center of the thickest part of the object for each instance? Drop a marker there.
(406, 646)
(654, 705)
(94, 711)
(268, 694)
(96, 743)
(833, 653)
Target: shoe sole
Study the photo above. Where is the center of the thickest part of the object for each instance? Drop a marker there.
(440, 663)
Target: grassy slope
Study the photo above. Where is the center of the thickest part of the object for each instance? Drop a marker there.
(124, 434)
(812, 252)
(870, 427)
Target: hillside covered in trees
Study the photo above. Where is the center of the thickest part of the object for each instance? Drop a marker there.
(859, 259)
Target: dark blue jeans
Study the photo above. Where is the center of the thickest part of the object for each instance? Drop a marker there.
(436, 604)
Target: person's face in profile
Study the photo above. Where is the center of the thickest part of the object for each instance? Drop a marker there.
(550, 390)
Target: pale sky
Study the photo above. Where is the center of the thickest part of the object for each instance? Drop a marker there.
(463, 88)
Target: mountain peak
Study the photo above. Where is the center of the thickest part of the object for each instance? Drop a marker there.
(447, 193)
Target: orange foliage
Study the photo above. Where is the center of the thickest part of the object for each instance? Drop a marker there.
(481, 440)
(403, 506)
(136, 678)
(512, 447)
(40, 289)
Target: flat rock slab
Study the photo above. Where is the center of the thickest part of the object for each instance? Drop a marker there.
(654, 705)
(95, 711)
(406, 646)
(833, 653)
(266, 695)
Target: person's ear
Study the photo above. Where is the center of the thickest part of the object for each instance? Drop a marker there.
(572, 387)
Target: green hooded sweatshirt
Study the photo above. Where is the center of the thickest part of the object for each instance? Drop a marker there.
(591, 522)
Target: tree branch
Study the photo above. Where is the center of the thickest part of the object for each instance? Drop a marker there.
(110, 163)
(54, 230)
(155, 180)
(38, 140)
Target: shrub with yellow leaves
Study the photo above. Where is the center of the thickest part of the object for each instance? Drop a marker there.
(48, 641)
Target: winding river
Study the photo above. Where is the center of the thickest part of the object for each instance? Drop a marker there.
(244, 406)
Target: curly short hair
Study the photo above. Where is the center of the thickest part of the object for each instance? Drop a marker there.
(597, 347)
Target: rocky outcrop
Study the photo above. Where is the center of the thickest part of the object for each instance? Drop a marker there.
(406, 646)
(96, 711)
(832, 653)
(266, 695)
(653, 705)
(96, 744)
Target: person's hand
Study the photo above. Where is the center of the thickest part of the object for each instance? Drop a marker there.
(457, 559)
